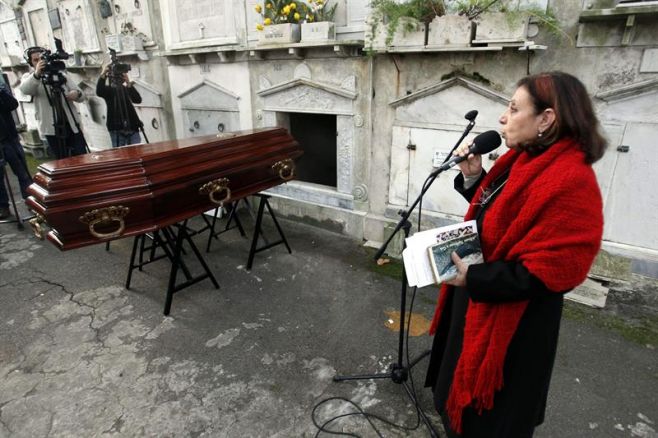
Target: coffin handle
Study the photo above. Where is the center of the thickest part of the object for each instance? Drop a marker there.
(36, 224)
(285, 169)
(214, 188)
(114, 213)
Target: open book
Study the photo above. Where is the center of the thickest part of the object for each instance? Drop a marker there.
(427, 258)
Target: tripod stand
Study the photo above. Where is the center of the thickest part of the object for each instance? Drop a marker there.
(53, 86)
(399, 372)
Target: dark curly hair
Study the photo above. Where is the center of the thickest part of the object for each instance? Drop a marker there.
(574, 113)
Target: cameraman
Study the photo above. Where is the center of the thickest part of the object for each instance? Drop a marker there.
(119, 94)
(70, 141)
(10, 149)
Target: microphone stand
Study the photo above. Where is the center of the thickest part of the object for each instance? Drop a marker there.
(398, 372)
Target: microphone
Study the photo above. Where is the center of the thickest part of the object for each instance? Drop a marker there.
(482, 144)
(471, 115)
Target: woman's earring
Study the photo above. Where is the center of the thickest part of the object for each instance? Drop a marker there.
(539, 134)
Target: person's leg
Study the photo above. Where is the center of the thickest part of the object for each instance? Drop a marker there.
(15, 156)
(123, 139)
(114, 135)
(55, 148)
(77, 143)
(4, 197)
(134, 138)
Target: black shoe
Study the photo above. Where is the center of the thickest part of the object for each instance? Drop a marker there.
(4, 213)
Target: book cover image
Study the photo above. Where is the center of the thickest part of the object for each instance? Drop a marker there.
(464, 241)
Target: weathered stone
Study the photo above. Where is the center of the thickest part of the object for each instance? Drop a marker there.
(610, 266)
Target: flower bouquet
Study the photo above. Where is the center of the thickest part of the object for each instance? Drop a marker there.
(281, 21)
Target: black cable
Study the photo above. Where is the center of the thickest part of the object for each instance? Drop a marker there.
(368, 416)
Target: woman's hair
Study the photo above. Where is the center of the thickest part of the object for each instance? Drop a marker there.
(574, 113)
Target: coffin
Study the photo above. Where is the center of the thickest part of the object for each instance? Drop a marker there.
(102, 196)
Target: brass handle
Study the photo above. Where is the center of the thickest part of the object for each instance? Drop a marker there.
(214, 187)
(35, 223)
(285, 169)
(114, 213)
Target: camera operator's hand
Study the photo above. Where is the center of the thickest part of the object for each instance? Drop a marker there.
(105, 71)
(73, 95)
(126, 80)
(38, 69)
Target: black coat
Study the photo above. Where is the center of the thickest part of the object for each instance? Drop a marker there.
(8, 103)
(121, 114)
(519, 407)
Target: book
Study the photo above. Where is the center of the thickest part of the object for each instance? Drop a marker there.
(427, 257)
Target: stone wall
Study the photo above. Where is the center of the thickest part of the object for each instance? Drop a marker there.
(202, 69)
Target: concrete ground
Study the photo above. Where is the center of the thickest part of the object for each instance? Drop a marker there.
(81, 356)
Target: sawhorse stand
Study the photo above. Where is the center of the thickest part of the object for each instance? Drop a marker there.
(232, 217)
(170, 239)
(258, 231)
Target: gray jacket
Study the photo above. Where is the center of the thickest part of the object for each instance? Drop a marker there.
(43, 111)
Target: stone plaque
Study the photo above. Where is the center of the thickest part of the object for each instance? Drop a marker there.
(589, 293)
(78, 25)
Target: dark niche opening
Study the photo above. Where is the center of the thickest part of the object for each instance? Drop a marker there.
(316, 133)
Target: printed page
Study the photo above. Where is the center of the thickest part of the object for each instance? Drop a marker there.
(417, 258)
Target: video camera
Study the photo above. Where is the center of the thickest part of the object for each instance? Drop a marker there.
(52, 72)
(116, 68)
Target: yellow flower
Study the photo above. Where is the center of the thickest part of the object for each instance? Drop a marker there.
(286, 10)
(267, 22)
(296, 16)
(258, 8)
(259, 26)
(320, 1)
(268, 5)
(293, 6)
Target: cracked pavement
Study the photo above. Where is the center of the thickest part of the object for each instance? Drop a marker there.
(82, 356)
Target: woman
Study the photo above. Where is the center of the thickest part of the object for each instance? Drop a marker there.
(539, 212)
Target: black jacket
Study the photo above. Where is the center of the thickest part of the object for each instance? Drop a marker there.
(121, 114)
(8, 103)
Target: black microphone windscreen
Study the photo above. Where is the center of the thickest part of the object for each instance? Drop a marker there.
(471, 115)
(486, 142)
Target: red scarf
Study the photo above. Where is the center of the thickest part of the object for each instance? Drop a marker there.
(549, 217)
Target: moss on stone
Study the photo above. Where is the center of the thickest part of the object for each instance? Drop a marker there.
(642, 330)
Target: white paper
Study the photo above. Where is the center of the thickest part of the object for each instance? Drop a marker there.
(415, 256)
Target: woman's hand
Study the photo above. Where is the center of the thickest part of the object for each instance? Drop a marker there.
(462, 269)
(472, 166)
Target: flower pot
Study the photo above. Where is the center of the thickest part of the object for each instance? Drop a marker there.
(280, 34)
(131, 43)
(320, 31)
(500, 27)
(408, 33)
(450, 31)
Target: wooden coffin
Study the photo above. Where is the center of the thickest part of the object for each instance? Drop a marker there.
(132, 190)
